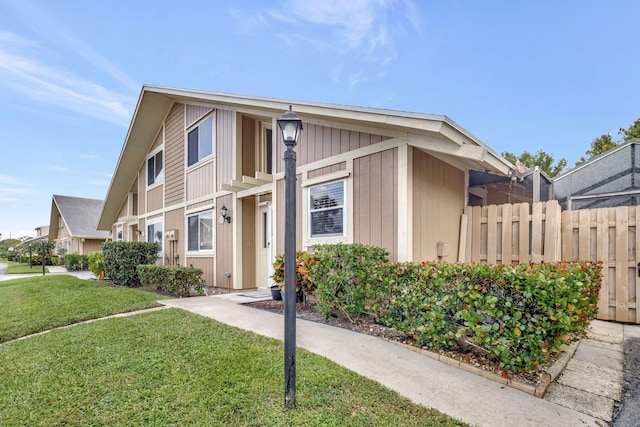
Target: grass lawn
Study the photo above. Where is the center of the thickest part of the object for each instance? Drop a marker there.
(16, 268)
(171, 367)
(34, 304)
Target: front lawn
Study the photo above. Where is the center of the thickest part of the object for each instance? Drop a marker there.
(33, 304)
(17, 268)
(171, 367)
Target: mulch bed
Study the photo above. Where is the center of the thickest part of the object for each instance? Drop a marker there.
(469, 355)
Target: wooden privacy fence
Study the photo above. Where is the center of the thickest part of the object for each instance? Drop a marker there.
(542, 232)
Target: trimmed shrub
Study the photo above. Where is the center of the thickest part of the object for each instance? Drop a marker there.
(96, 263)
(347, 276)
(175, 280)
(304, 285)
(122, 258)
(76, 262)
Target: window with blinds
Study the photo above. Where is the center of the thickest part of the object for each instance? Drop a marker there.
(326, 209)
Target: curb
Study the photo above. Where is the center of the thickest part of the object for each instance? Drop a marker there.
(538, 391)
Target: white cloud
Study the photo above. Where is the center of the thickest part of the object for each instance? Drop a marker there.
(352, 34)
(21, 71)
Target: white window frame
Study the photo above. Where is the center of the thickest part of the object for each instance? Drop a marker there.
(159, 178)
(200, 159)
(119, 234)
(213, 229)
(333, 237)
(148, 236)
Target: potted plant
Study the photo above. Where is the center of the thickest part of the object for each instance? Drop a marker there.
(304, 281)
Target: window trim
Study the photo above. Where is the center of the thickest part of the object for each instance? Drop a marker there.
(213, 229)
(159, 178)
(196, 125)
(155, 222)
(344, 234)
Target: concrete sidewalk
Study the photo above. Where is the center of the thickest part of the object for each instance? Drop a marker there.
(37, 271)
(428, 382)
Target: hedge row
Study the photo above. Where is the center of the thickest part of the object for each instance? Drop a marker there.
(175, 280)
(516, 315)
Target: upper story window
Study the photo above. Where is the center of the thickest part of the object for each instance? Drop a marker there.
(200, 231)
(200, 141)
(155, 168)
(119, 234)
(326, 209)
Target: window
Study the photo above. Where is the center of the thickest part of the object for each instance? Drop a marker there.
(119, 234)
(155, 168)
(154, 232)
(200, 142)
(326, 210)
(200, 231)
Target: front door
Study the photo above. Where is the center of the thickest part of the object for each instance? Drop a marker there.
(264, 247)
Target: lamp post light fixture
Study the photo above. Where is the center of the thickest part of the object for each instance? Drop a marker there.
(290, 125)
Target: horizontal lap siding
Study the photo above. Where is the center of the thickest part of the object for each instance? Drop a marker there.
(438, 202)
(375, 200)
(224, 142)
(174, 156)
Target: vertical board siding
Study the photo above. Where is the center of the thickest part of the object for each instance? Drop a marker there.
(249, 253)
(375, 200)
(248, 146)
(224, 245)
(224, 144)
(327, 170)
(206, 264)
(200, 181)
(174, 220)
(320, 142)
(607, 235)
(438, 202)
(174, 155)
(195, 112)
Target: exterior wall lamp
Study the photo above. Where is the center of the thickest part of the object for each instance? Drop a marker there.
(290, 125)
(224, 216)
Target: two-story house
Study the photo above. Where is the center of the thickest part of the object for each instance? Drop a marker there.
(202, 173)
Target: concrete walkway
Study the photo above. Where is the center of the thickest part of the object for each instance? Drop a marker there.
(37, 271)
(428, 382)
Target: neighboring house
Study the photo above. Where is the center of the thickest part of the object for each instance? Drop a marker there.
(73, 224)
(42, 232)
(610, 179)
(387, 178)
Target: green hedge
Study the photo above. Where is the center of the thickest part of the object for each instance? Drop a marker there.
(76, 262)
(96, 263)
(122, 258)
(177, 281)
(514, 315)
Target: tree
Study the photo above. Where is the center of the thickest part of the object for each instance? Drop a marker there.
(633, 131)
(544, 161)
(598, 146)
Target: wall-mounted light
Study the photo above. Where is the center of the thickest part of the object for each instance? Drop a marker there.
(139, 232)
(224, 216)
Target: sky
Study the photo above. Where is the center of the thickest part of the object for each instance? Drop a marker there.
(539, 75)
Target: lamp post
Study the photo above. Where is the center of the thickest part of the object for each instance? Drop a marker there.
(290, 125)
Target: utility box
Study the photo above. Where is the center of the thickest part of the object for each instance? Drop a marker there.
(171, 235)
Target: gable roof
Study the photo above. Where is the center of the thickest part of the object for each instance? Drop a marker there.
(154, 103)
(598, 158)
(79, 215)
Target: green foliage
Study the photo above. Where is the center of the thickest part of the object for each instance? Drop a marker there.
(122, 258)
(346, 276)
(304, 284)
(598, 146)
(544, 161)
(633, 131)
(177, 281)
(517, 315)
(96, 263)
(76, 262)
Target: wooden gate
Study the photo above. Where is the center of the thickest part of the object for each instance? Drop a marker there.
(523, 233)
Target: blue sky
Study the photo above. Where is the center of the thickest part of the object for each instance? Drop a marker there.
(550, 75)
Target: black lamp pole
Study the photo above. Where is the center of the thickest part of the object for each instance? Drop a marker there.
(290, 125)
